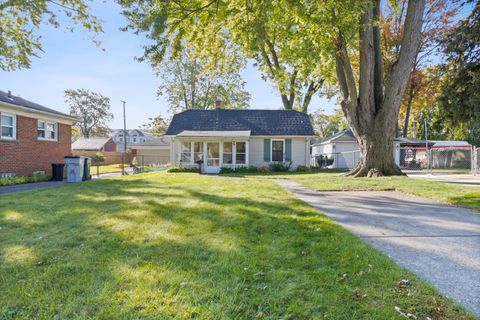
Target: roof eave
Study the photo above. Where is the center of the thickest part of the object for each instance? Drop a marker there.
(53, 114)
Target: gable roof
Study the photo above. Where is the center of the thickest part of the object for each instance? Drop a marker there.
(155, 142)
(129, 132)
(258, 122)
(18, 101)
(345, 136)
(89, 144)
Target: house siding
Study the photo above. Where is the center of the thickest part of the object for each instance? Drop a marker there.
(27, 154)
(299, 152)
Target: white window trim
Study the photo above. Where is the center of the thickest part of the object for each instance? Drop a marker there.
(271, 150)
(14, 123)
(46, 122)
(246, 154)
(233, 153)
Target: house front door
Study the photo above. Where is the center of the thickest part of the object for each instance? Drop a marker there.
(212, 165)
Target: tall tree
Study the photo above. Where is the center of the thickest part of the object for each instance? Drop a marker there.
(92, 109)
(370, 97)
(371, 105)
(157, 126)
(459, 101)
(258, 30)
(327, 124)
(20, 19)
(189, 85)
(439, 18)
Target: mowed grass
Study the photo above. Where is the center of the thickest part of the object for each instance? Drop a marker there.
(184, 246)
(465, 196)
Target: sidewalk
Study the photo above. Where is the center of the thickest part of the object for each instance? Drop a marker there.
(48, 184)
(438, 242)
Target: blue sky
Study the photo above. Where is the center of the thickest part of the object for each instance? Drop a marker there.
(72, 61)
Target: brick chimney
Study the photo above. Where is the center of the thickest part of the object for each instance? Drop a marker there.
(218, 104)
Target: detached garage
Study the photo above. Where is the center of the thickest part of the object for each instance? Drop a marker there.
(152, 153)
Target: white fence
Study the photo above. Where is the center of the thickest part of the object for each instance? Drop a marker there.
(412, 159)
(337, 160)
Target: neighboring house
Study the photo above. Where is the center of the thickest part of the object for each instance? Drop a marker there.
(133, 137)
(94, 144)
(233, 138)
(32, 137)
(153, 152)
(343, 149)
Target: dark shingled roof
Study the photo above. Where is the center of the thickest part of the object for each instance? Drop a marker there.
(4, 97)
(259, 122)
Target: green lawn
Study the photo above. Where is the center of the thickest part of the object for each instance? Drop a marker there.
(107, 168)
(466, 196)
(162, 245)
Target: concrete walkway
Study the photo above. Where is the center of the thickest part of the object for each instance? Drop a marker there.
(438, 242)
(29, 186)
(48, 184)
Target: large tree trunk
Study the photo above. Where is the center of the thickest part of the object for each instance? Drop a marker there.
(372, 110)
(376, 149)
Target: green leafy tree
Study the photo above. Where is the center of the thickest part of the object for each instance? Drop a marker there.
(343, 34)
(157, 126)
(21, 19)
(187, 84)
(92, 110)
(221, 32)
(459, 101)
(327, 124)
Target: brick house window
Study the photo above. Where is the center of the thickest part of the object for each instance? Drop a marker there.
(47, 130)
(8, 123)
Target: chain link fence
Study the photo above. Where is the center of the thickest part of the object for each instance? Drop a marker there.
(476, 161)
(150, 161)
(337, 160)
(439, 161)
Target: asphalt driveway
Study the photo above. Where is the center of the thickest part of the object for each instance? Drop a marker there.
(438, 242)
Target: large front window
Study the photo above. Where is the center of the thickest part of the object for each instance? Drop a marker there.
(186, 152)
(277, 150)
(47, 130)
(227, 152)
(7, 126)
(197, 151)
(241, 153)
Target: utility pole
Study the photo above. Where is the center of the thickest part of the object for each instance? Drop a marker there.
(124, 139)
(426, 142)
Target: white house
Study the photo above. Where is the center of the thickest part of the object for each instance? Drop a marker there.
(133, 137)
(234, 138)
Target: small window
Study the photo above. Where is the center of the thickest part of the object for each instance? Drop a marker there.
(47, 130)
(7, 126)
(241, 155)
(197, 151)
(277, 150)
(186, 152)
(134, 138)
(227, 152)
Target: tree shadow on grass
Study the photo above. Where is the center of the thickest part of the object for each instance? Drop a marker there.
(146, 248)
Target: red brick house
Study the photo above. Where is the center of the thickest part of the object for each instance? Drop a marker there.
(32, 137)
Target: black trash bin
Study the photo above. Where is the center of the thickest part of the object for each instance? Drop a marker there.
(86, 169)
(57, 171)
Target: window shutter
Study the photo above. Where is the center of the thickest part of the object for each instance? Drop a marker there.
(288, 150)
(266, 150)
